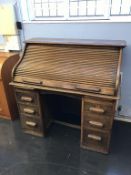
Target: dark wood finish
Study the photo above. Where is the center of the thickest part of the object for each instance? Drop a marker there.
(98, 106)
(95, 140)
(96, 123)
(31, 112)
(85, 70)
(89, 69)
(102, 122)
(32, 125)
(8, 107)
(33, 87)
(94, 66)
(27, 97)
(89, 42)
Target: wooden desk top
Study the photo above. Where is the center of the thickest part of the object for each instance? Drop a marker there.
(89, 42)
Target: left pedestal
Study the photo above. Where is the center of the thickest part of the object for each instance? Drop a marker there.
(30, 111)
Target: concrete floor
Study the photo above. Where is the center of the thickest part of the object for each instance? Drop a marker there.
(60, 154)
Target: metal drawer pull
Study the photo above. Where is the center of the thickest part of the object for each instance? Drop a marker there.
(25, 98)
(29, 111)
(99, 124)
(94, 137)
(29, 123)
(98, 110)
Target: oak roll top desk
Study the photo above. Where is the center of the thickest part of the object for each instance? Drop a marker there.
(88, 69)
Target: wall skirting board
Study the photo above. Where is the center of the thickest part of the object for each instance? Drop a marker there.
(123, 118)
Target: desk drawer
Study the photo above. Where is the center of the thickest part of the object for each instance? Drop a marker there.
(32, 125)
(98, 106)
(27, 97)
(95, 140)
(32, 111)
(102, 122)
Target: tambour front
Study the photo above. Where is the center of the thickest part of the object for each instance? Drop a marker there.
(89, 69)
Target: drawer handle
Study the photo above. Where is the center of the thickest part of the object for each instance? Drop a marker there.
(99, 124)
(29, 111)
(25, 98)
(98, 110)
(86, 89)
(0, 109)
(29, 123)
(29, 81)
(94, 137)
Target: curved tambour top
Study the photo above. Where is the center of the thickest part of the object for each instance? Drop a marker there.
(78, 65)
